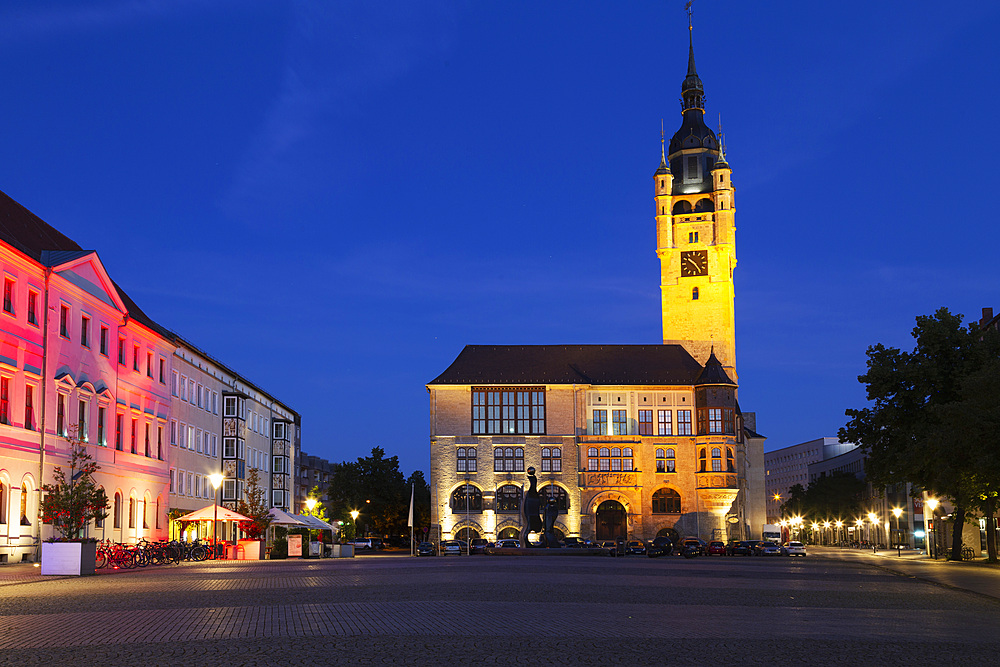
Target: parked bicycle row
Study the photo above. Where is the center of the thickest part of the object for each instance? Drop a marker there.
(127, 556)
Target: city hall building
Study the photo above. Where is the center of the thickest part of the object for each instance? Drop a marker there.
(632, 441)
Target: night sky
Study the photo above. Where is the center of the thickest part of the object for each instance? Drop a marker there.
(335, 197)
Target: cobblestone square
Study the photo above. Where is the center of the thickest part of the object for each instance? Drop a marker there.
(496, 610)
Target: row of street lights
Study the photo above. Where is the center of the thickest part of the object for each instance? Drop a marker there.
(795, 524)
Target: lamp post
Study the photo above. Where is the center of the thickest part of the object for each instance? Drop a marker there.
(896, 511)
(354, 518)
(310, 504)
(873, 519)
(859, 524)
(216, 480)
(932, 504)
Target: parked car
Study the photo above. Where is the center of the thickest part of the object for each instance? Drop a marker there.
(794, 549)
(574, 543)
(660, 546)
(716, 548)
(479, 544)
(752, 544)
(426, 549)
(508, 543)
(635, 547)
(742, 548)
(693, 543)
(367, 543)
(767, 548)
(456, 547)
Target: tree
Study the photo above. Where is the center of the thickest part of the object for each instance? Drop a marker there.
(795, 505)
(905, 433)
(375, 487)
(254, 506)
(70, 504)
(837, 495)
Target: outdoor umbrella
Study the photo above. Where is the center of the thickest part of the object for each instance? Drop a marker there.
(208, 514)
(282, 518)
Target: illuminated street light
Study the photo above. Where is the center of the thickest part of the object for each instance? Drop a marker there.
(932, 504)
(896, 512)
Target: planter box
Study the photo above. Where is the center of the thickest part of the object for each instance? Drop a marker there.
(343, 551)
(252, 549)
(73, 558)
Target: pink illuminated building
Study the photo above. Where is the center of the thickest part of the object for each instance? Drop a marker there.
(77, 355)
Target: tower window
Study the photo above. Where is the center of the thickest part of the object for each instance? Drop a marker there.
(692, 237)
(694, 294)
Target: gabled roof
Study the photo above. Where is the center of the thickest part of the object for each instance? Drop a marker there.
(572, 364)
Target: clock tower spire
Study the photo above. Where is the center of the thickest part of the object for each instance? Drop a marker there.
(696, 232)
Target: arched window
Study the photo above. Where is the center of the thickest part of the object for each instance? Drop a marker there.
(117, 511)
(702, 461)
(467, 534)
(465, 499)
(694, 294)
(716, 459)
(670, 460)
(466, 459)
(24, 506)
(661, 461)
(730, 462)
(557, 492)
(156, 516)
(666, 501)
(682, 207)
(508, 459)
(508, 500)
(704, 206)
(551, 459)
(3, 503)
(131, 512)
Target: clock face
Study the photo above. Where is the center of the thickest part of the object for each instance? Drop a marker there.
(694, 263)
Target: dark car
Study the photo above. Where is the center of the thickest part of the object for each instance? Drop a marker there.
(635, 547)
(752, 545)
(574, 543)
(660, 546)
(742, 548)
(426, 549)
(479, 545)
(693, 543)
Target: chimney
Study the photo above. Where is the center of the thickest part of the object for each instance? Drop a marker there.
(987, 317)
(750, 420)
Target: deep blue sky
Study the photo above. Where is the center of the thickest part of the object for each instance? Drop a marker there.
(335, 197)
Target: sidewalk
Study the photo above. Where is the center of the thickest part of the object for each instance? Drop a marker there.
(967, 576)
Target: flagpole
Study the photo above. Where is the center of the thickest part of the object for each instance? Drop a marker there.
(411, 518)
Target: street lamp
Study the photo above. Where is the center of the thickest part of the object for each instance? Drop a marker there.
(354, 518)
(932, 504)
(310, 504)
(839, 524)
(896, 511)
(216, 480)
(873, 519)
(860, 525)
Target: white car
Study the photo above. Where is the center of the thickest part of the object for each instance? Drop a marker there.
(793, 549)
(456, 547)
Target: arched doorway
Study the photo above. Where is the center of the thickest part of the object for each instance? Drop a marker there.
(467, 534)
(509, 533)
(611, 521)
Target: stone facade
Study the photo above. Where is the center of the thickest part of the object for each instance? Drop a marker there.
(628, 465)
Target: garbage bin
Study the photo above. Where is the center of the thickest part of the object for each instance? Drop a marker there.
(316, 549)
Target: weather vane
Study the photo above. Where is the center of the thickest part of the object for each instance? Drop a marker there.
(690, 12)
(722, 140)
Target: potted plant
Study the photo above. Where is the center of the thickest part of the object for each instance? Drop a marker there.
(70, 504)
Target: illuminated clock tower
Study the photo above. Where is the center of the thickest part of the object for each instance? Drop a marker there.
(696, 233)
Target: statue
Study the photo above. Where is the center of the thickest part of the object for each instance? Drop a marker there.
(551, 512)
(530, 509)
